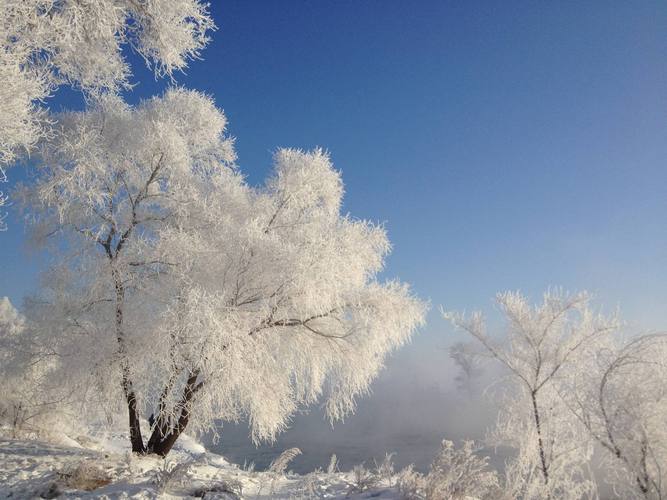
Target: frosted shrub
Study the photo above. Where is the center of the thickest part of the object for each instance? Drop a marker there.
(363, 479)
(278, 467)
(460, 473)
(280, 464)
(310, 485)
(222, 488)
(171, 474)
(85, 476)
(410, 483)
(456, 473)
(332, 468)
(385, 469)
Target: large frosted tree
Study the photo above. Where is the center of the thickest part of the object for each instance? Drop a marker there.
(191, 296)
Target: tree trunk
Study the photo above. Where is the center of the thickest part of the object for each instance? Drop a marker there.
(164, 435)
(136, 439)
(133, 418)
(166, 443)
(160, 425)
(540, 443)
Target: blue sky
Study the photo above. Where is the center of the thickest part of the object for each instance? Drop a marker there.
(504, 145)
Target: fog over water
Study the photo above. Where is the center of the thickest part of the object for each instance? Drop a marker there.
(414, 405)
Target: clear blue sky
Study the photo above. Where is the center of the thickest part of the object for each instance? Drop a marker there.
(505, 144)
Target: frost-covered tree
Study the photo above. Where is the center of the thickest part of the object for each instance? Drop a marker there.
(47, 43)
(25, 402)
(545, 346)
(111, 178)
(193, 296)
(623, 403)
(467, 358)
(12, 405)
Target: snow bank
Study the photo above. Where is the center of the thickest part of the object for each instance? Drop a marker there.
(101, 467)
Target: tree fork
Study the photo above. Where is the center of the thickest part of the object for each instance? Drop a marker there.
(159, 425)
(163, 439)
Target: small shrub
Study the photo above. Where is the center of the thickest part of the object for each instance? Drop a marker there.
(460, 473)
(385, 469)
(456, 474)
(170, 475)
(410, 483)
(248, 467)
(363, 479)
(225, 488)
(333, 464)
(280, 464)
(51, 490)
(309, 485)
(85, 476)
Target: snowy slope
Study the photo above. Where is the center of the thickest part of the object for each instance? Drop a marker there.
(37, 469)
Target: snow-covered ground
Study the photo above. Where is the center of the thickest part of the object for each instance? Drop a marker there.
(100, 467)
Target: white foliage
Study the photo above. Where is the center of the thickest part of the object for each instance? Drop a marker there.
(333, 464)
(460, 473)
(545, 347)
(170, 475)
(47, 43)
(11, 321)
(456, 473)
(623, 403)
(280, 464)
(363, 479)
(3, 201)
(385, 469)
(182, 281)
(409, 483)
(13, 407)
(26, 404)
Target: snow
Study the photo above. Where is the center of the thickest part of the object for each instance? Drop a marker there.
(41, 469)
